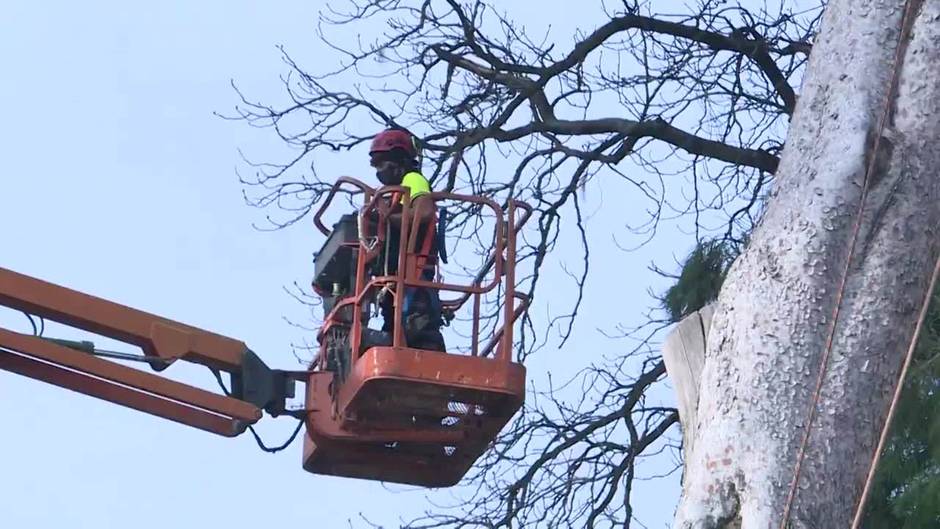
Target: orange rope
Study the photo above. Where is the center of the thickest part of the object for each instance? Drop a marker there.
(856, 522)
(903, 34)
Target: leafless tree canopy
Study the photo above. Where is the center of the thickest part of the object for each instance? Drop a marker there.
(682, 114)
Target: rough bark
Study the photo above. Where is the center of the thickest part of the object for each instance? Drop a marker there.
(772, 320)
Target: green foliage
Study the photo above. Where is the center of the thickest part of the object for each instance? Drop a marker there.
(701, 278)
(906, 492)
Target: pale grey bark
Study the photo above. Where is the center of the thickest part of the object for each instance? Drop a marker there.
(684, 356)
(770, 326)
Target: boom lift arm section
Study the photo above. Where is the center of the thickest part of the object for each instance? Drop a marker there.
(255, 387)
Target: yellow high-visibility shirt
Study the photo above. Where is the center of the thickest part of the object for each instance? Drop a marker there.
(417, 185)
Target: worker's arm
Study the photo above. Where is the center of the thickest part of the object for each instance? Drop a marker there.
(422, 210)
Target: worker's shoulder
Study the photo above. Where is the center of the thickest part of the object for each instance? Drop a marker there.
(416, 181)
(414, 176)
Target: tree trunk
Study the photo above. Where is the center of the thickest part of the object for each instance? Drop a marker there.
(772, 319)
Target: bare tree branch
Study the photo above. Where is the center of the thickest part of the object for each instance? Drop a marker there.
(680, 115)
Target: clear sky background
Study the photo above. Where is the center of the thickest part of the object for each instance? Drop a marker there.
(117, 180)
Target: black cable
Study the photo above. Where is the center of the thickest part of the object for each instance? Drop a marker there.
(251, 428)
(276, 449)
(218, 378)
(41, 329)
(32, 322)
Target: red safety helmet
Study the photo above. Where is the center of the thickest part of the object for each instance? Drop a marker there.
(389, 140)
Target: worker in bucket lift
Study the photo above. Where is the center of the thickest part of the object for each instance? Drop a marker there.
(394, 155)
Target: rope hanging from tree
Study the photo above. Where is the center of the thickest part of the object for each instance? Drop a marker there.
(911, 7)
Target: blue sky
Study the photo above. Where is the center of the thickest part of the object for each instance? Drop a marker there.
(117, 180)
